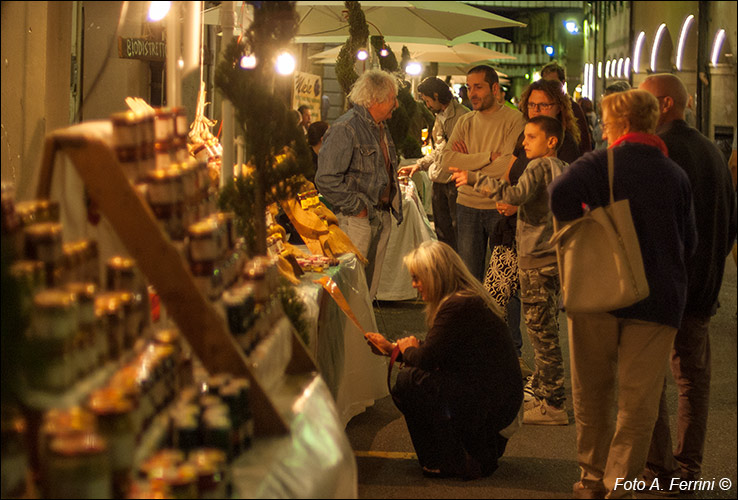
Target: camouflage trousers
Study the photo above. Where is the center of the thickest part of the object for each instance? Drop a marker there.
(539, 294)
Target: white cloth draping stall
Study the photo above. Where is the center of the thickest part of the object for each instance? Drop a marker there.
(395, 283)
(354, 375)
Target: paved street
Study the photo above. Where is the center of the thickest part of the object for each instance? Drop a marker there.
(540, 461)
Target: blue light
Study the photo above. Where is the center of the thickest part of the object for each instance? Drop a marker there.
(549, 49)
(571, 27)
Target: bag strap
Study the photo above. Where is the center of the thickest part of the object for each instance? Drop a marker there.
(610, 172)
(393, 358)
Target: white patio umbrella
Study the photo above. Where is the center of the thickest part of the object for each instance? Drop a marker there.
(445, 20)
(474, 36)
(463, 53)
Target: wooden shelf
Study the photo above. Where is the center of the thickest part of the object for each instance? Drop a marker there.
(87, 145)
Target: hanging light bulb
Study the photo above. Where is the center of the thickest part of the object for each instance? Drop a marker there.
(384, 52)
(413, 68)
(285, 63)
(157, 10)
(248, 61)
(362, 55)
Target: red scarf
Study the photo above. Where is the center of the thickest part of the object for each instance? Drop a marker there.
(643, 138)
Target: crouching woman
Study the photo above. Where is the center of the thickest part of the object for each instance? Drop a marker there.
(461, 386)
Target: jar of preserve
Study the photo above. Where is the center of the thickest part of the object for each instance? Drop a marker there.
(79, 467)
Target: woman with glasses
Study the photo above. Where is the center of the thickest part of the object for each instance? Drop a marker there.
(461, 386)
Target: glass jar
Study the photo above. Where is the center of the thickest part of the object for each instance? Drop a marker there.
(109, 308)
(85, 346)
(50, 343)
(79, 467)
(116, 423)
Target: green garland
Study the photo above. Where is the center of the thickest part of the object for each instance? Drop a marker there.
(265, 121)
(358, 36)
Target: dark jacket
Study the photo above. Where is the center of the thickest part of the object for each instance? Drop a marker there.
(471, 350)
(714, 208)
(661, 205)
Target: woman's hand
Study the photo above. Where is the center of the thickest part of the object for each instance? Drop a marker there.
(378, 343)
(410, 341)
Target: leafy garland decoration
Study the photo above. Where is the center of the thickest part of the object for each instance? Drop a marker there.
(358, 37)
(276, 150)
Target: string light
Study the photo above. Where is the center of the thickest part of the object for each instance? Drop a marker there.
(413, 68)
(157, 10)
(362, 55)
(285, 63)
(248, 62)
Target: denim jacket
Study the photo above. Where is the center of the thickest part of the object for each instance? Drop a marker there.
(351, 171)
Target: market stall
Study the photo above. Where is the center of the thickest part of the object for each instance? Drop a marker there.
(355, 376)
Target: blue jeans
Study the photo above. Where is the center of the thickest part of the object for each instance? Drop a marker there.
(475, 227)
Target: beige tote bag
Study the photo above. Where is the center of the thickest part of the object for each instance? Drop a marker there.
(600, 262)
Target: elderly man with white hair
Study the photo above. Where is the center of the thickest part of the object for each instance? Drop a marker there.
(357, 170)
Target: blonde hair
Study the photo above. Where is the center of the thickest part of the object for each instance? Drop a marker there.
(373, 87)
(442, 273)
(636, 108)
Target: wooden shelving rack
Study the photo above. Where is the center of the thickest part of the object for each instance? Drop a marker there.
(87, 146)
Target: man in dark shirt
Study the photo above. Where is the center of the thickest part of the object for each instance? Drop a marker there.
(715, 213)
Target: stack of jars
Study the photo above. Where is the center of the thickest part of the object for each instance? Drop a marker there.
(215, 254)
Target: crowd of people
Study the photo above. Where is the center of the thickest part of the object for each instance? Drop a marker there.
(501, 177)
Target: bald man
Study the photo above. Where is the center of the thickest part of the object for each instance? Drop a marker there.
(715, 210)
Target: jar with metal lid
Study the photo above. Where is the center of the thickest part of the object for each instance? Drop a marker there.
(181, 481)
(172, 219)
(54, 326)
(31, 278)
(125, 142)
(37, 211)
(227, 220)
(58, 422)
(43, 241)
(255, 275)
(167, 457)
(109, 307)
(166, 186)
(90, 256)
(15, 459)
(185, 433)
(127, 381)
(146, 155)
(79, 467)
(130, 319)
(211, 481)
(205, 241)
(217, 430)
(245, 429)
(121, 274)
(116, 423)
(86, 350)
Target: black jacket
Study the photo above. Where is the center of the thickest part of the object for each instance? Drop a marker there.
(715, 212)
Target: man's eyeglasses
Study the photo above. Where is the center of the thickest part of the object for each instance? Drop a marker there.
(541, 106)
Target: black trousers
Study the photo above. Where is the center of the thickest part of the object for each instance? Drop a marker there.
(443, 201)
(464, 445)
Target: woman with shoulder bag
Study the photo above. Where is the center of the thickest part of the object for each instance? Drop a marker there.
(627, 348)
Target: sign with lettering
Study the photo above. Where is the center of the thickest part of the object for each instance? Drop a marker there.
(142, 48)
(308, 89)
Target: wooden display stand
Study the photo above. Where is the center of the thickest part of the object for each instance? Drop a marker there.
(87, 145)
